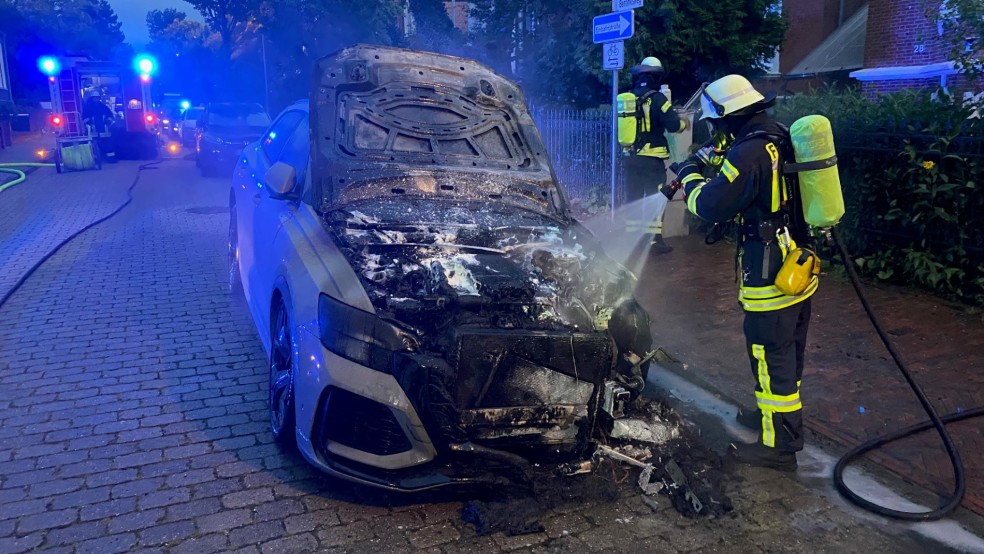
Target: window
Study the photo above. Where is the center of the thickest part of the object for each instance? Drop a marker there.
(297, 152)
(276, 137)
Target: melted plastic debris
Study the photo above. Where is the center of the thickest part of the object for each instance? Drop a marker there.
(656, 432)
(683, 469)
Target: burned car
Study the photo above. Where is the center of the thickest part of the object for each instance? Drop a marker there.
(432, 313)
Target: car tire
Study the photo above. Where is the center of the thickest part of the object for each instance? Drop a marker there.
(235, 278)
(282, 359)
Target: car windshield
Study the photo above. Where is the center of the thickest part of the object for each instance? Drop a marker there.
(230, 115)
(193, 113)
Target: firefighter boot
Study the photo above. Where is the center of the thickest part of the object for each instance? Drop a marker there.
(751, 419)
(758, 455)
(657, 246)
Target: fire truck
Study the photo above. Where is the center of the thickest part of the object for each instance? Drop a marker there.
(133, 130)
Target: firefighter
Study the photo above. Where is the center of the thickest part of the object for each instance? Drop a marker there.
(100, 117)
(749, 185)
(645, 166)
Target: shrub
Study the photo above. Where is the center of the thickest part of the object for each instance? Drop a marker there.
(912, 169)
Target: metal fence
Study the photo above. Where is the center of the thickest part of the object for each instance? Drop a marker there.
(579, 144)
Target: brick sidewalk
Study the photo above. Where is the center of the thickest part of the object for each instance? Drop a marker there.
(852, 390)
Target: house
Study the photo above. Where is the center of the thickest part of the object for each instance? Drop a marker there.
(904, 49)
(880, 45)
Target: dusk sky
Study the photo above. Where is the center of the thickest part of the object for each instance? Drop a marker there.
(133, 16)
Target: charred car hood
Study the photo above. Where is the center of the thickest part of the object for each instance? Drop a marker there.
(391, 123)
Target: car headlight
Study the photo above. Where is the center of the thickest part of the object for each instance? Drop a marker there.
(360, 336)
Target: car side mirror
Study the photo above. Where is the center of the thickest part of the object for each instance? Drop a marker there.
(280, 178)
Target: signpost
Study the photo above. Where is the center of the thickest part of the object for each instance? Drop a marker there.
(622, 5)
(611, 30)
(613, 27)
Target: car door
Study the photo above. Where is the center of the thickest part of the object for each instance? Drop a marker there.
(267, 212)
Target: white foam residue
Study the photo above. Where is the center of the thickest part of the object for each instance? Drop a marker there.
(361, 218)
(455, 271)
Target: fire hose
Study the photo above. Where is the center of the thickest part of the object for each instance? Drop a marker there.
(936, 421)
(129, 193)
(21, 176)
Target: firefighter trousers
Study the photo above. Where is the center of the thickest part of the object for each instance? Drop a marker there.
(644, 176)
(776, 343)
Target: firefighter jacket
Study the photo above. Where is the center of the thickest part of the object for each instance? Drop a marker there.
(657, 117)
(751, 187)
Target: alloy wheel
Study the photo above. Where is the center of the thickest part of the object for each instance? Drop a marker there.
(282, 379)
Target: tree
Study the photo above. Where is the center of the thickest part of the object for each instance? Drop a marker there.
(961, 28)
(223, 16)
(187, 56)
(159, 20)
(432, 29)
(298, 32)
(36, 28)
(546, 44)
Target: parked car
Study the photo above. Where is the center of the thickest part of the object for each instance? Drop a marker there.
(223, 130)
(431, 311)
(188, 125)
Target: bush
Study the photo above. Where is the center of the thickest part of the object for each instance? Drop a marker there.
(912, 169)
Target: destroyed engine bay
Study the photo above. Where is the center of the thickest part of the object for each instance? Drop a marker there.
(519, 330)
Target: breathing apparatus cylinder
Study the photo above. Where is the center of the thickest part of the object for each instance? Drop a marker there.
(816, 163)
(627, 105)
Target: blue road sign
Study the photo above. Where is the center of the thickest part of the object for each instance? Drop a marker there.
(613, 27)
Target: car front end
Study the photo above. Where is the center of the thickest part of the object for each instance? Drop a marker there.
(481, 329)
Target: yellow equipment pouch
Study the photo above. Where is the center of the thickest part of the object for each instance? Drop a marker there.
(796, 273)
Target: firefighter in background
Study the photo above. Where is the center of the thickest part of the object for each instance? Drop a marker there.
(644, 114)
(749, 184)
(99, 117)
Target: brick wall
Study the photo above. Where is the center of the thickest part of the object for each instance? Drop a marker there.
(810, 23)
(900, 34)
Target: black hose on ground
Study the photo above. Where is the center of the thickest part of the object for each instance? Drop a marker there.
(949, 503)
(46, 257)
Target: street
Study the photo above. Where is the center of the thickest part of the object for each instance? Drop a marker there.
(133, 410)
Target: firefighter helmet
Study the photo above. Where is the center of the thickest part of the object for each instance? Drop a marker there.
(650, 64)
(728, 95)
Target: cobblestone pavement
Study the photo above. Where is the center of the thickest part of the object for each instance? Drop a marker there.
(133, 418)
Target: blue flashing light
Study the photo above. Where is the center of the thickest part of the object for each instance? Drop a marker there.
(185, 104)
(273, 135)
(49, 65)
(145, 64)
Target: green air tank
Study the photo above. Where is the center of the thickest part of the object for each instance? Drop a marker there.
(816, 163)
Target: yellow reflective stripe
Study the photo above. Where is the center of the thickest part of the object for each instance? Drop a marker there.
(654, 151)
(666, 107)
(770, 291)
(768, 430)
(758, 351)
(774, 155)
(730, 171)
(765, 383)
(692, 200)
(656, 227)
(778, 403)
(683, 125)
(692, 177)
(777, 303)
